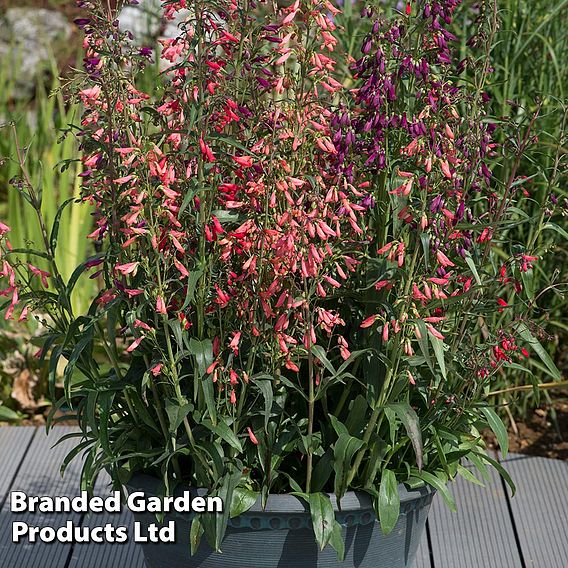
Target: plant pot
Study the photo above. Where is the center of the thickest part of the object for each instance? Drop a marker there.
(280, 536)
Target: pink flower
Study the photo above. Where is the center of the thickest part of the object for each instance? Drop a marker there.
(233, 377)
(368, 322)
(206, 151)
(134, 344)
(128, 268)
(24, 314)
(182, 269)
(435, 332)
(161, 306)
(130, 292)
(122, 180)
(10, 311)
(446, 169)
(4, 229)
(411, 378)
(443, 259)
(140, 324)
(244, 161)
(252, 436)
(41, 273)
(234, 344)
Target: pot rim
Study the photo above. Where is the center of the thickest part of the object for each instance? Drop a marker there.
(286, 502)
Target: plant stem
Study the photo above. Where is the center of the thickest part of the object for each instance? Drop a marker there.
(543, 386)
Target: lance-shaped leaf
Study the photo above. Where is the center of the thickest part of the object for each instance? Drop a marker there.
(243, 500)
(345, 449)
(389, 501)
(409, 418)
(498, 428)
(535, 344)
(323, 518)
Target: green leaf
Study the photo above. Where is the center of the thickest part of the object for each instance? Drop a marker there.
(209, 394)
(243, 500)
(56, 222)
(234, 143)
(225, 433)
(203, 353)
(323, 518)
(176, 413)
(338, 426)
(337, 542)
(557, 228)
(528, 283)
(470, 262)
(438, 346)
(357, 417)
(78, 271)
(215, 524)
(423, 343)
(441, 486)
(265, 386)
(320, 353)
(8, 415)
(190, 193)
(192, 281)
(409, 418)
(322, 471)
(71, 455)
(468, 476)
(195, 534)
(105, 400)
(535, 344)
(344, 450)
(498, 428)
(425, 238)
(501, 470)
(389, 501)
(85, 343)
(479, 465)
(141, 409)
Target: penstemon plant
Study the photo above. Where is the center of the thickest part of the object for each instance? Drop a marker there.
(296, 259)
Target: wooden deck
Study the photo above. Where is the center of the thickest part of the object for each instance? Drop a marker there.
(491, 530)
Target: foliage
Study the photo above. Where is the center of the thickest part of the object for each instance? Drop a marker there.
(528, 87)
(52, 168)
(299, 279)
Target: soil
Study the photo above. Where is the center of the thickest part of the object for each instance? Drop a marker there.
(545, 433)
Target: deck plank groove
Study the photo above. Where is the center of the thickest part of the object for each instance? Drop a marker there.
(540, 509)
(480, 535)
(39, 475)
(109, 555)
(14, 444)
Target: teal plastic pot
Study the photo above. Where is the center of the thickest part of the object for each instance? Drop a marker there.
(280, 535)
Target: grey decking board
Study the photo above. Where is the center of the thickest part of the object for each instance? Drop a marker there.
(422, 559)
(13, 446)
(480, 534)
(127, 555)
(39, 475)
(540, 509)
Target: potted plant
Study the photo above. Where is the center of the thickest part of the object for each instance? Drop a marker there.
(295, 261)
